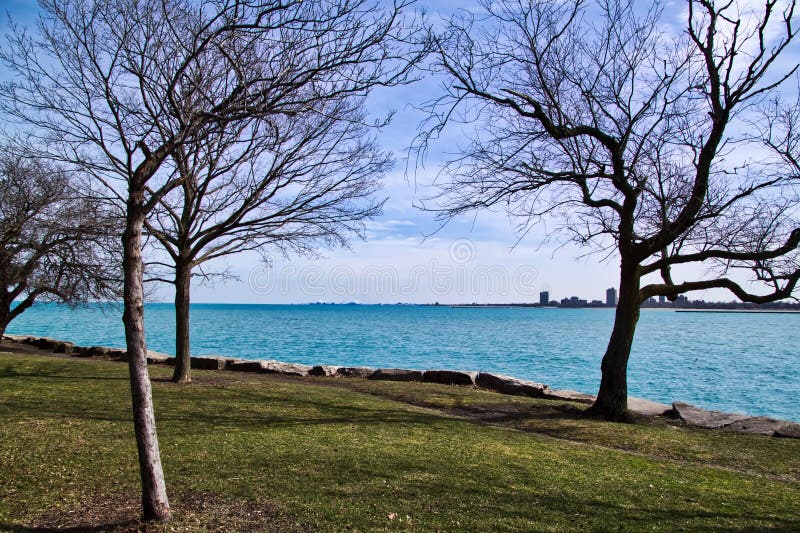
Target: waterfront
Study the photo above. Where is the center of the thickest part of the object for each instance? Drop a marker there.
(728, 361)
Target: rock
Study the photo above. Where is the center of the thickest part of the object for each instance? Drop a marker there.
(354, 371)
(571, 395)
(65, 347)
(287, 369)
(208, 363)
(230, 362)
(45, 343)
(450, 377)
(397, 374)
(119, 355)
(647, 407)
(703, 418)
(510, 385)
(98, 350)
(323, 370)
(248, 366)
(157, 358)
(788, 431)
(759, 425)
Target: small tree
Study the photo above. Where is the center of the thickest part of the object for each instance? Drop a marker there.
(116, 87)
(631, 140)
(283, 184)
(55, 244)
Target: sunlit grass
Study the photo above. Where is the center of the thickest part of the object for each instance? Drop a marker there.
(321, 455)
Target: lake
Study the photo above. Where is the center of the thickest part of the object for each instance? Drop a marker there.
(740, 362)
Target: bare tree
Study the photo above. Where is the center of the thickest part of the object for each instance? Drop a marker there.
(285, 184)
(630, 138)
(115, 87)
(55, 244)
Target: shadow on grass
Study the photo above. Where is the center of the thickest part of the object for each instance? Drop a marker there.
(123, 525)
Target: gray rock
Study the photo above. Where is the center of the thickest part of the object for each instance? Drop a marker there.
(208, 363)
(287, 369)
(647, 407)
(450, 377)
(65, 347)
(45, 343)
(788, 431)
(323, 370)
(230, 362)
(703, 418)
(119, 355)
(397, 374)
(248, 366)
(495, 382)
(511, 385)
(98, 350)
(569, 395)
(354, 371)
(157, 358)
(759, 425)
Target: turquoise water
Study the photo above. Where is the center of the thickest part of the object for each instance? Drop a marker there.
(737, 362)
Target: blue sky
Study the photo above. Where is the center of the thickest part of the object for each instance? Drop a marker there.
(406, 256)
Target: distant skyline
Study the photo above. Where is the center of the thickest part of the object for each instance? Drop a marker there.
(407, 257)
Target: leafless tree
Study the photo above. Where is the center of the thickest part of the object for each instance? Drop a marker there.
(115, 87)
(633, 139)
(285, 184)
(56, 244)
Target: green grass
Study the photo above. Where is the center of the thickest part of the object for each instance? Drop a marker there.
(245, 452)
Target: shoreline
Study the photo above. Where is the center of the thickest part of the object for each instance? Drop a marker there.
(690, 414)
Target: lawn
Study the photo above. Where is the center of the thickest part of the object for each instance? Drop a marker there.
(245, 452)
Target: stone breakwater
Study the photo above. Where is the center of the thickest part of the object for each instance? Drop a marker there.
(690, 414)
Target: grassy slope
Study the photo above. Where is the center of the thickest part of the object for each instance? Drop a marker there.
(345, 457)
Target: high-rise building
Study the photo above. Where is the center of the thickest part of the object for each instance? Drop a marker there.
(544, 298)
(662, 299)
(611, 297)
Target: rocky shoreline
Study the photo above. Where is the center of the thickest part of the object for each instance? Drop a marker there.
(691, 415)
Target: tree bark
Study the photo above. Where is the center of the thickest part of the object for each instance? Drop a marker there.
(183, 276)
(155, 505)
(4, 320)
(612, 398)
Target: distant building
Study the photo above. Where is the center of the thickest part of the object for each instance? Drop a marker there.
(611, 297)
(662, 299)
(544, 298)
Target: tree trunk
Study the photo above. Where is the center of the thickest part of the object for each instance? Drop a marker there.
(183, 276)
(155, 505)
(4, 320)
(612, 399)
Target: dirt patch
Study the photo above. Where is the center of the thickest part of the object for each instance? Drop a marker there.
(195, 511)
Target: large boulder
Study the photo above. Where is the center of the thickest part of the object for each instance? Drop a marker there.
(569, 395)
(45, 343)
(208, 363)
(397, 374)
(157, 358)
(118, 354)
(354, 371)
(98, 350)
(647, 407)
(323, 370)
(287, 369)
(788, 430)
(450, 377)
(248, 366)
(759, 425)
(511, 385)
(704, 418)
(65, 348)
